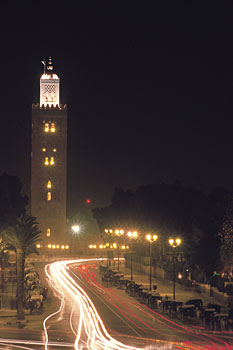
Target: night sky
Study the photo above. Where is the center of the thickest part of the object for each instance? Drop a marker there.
(149, 92)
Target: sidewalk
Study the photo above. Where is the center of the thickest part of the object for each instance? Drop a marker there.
(165, 287)
(35, 320)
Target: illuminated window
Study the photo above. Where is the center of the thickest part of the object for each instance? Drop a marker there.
(49, 185)
(52, 161)
(49, 196)
(54, 150)
(46, 127)
(46, 162)
(53, 246)
(49, 246)
(58, 246)
(38, 246)
(44, 149)
(52, 129)
(48, 232)
(62, 247)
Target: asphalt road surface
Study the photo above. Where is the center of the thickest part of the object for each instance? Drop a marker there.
(94, 317)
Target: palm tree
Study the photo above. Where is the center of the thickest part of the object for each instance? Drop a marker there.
(22, 238)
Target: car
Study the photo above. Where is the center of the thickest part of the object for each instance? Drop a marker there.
(196, 302)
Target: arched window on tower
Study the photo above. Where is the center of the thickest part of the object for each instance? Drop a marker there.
(46, 127)
(52, 161)
(49, 185)
(46, 162)
(53, 128)
(48, 233)
(49, 196)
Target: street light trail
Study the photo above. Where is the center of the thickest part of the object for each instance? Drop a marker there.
(88, 328)
(184, 330)
(16, 346)
(55, 313)
(213, 340)
(90, 325)
(14, 342)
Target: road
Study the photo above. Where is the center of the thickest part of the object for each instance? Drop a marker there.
(93, 317)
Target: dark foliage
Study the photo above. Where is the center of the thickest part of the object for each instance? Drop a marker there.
(12, 203)
(171, 210)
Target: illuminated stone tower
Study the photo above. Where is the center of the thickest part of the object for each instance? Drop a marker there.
(48, 163)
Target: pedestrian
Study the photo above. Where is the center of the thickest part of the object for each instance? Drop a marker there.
(44, 293)
(41, 307)
(31, 305)
(198, 314)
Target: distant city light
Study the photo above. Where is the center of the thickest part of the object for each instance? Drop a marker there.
(88, 201)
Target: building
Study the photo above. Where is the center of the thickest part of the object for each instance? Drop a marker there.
(49, 163)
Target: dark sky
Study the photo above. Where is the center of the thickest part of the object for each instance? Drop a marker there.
(148, 88)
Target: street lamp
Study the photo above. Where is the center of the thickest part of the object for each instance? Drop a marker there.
(75, 229)
(119, 233)
(109, 232)
(151, 239)
(174, 243)
(132, 235)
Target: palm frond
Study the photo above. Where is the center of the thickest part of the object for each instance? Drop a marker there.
(24, 235)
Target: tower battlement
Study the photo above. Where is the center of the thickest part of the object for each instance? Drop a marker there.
(47, 106)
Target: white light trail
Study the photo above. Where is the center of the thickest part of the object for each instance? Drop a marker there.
(90, 328)
(32, 342)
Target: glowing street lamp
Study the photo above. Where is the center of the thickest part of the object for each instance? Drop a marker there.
(174, 243)
(119, 233)
(108, 231)
(132, 235)
(151, 239)
(75, 228)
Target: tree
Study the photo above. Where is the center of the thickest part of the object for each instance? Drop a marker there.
(12, 203)
(22, 237)
(4, 255)
(226, 237)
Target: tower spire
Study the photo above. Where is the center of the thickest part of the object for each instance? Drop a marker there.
(50, 65)
(49, 85)
(44, 63)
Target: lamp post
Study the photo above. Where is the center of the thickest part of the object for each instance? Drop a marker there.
(151, 238)
(119, 233)
(132, 235)
(174, 243)
(109, 233)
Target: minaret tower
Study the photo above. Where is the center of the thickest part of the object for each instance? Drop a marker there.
(48, 163)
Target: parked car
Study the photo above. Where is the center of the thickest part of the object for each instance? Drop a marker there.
(196, 302)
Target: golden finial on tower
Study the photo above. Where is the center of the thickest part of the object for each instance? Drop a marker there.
(50, 65)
